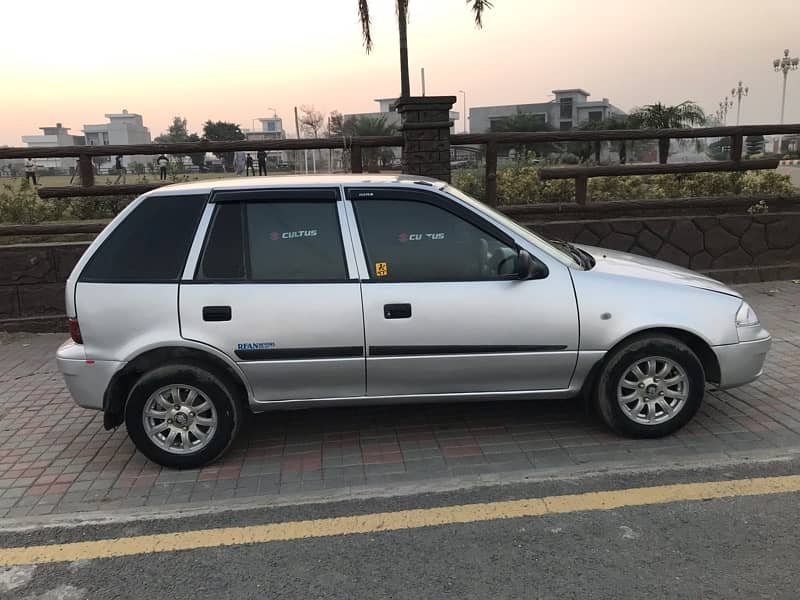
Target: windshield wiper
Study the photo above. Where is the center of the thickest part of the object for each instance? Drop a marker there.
(583, 258)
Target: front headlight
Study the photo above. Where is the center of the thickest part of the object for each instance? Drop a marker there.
(746, 316)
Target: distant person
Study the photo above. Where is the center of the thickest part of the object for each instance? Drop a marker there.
(262, 162)
(119, 167)
(238, 163)
(76, 172)
(30, 171)
(162, 162)
(249, 168)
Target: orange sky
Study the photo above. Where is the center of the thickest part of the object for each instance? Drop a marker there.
(233, 60)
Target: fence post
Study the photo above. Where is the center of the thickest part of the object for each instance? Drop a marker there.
(86, 170)
(356, 165)
(736, 148)
(491, 173)
(426, 134)
(581, 182)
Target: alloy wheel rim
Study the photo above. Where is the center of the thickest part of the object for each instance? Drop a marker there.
(653, 390)
(179, 419)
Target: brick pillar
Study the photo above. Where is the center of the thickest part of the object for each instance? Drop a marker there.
(426, 135)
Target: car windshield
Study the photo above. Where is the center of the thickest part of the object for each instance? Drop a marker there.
(561, 254)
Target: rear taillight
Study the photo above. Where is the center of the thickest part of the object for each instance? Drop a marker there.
(75, 331)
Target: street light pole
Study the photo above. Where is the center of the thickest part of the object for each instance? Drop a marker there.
(738, 92)
(724, 106)
(784, 65)
(464, 105)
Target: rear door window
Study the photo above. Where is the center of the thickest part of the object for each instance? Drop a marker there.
(274, 242)
(150, 245)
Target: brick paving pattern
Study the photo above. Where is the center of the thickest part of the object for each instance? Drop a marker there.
(56, 458)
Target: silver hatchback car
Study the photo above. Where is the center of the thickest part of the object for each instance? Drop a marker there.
(202, 302)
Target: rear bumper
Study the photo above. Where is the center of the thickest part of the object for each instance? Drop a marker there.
(86, 380)
(741, 363)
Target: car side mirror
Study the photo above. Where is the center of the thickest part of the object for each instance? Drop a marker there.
(529, 268)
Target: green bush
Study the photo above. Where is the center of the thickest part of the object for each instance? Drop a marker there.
(520, 184)
(19, 203)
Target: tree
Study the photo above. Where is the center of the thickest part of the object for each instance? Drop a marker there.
(311, 120)
(612, 122)
(401, 6)
(523, 122)
(371, 126)
(754, 144)
(222, 131)
(335, 124)
(659, 116)
(179, 132)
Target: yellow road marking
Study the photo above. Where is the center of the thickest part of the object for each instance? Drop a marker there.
(399, 520)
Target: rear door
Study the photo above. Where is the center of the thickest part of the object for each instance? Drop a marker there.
(444, 311)
(275, 288)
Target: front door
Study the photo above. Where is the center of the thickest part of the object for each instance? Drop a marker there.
(444, 311)
(276, 290)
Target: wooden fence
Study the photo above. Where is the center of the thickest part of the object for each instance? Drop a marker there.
(490, 141)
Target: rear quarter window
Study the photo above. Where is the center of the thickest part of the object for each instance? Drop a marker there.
(150, 245)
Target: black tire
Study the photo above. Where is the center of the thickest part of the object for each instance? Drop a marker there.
(217, 389)
(617, 364)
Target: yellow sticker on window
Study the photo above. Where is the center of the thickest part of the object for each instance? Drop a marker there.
(381, 269)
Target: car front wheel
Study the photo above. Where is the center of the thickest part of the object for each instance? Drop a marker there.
(650, 386)
(182, 416)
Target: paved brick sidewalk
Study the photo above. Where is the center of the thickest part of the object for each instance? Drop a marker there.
(56, 457)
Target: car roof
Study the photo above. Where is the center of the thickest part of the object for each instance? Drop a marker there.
(290, 181)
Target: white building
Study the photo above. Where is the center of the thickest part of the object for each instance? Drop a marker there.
(271, 129)
(54, 136)
(122, 129)
(567, 110)
(392, 117)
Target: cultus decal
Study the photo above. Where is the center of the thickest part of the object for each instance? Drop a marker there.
(416, 237)
(289, 235)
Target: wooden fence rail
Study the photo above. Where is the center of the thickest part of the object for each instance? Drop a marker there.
(491, 141)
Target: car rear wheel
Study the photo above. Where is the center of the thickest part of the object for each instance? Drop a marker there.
(650, 386)
(182, 416)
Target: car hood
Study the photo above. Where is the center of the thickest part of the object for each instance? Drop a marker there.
(640, 267)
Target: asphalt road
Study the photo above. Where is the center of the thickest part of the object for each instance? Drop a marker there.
(736, 547)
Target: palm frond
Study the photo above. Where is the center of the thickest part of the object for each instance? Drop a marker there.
(478, 6)
(363, 15)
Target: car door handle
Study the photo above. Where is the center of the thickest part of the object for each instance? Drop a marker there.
(216, 313)
(397, 311)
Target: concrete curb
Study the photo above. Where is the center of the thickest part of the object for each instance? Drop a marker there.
(450, 484)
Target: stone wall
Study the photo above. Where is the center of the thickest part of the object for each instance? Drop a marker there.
(32, 278)
(718, 238)
(714, 235)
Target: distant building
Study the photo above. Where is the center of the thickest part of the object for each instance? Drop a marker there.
(54, 136)
(567, 110)
(392, 117)
(271, 129)
(122, 129)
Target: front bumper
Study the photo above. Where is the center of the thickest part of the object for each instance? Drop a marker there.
(741, 363)
(86, 380)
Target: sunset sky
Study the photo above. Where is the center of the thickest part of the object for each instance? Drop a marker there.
(74, 61)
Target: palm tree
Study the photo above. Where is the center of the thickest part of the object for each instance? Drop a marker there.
(371, 126)
(478, 6)
(523, 122)
(659, 116)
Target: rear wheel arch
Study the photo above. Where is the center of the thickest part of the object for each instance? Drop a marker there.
(122, 382)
